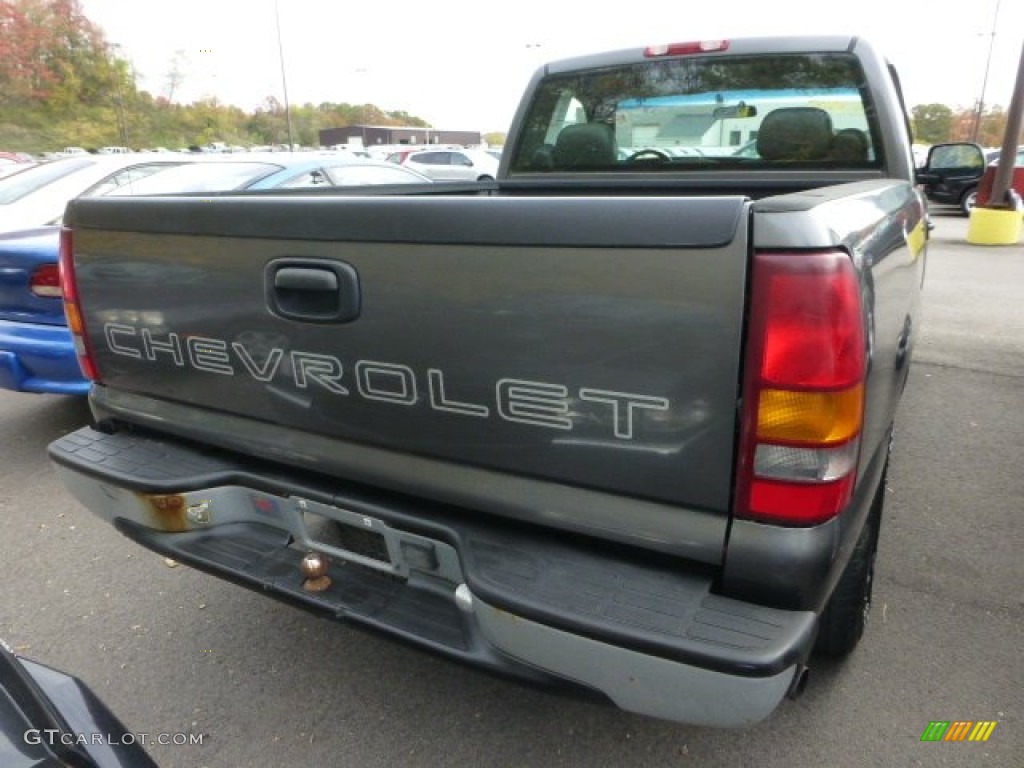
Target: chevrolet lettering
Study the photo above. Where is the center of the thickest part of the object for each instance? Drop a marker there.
(537, 403)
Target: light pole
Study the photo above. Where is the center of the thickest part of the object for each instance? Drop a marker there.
(284, 80)
(976, 126)
(1001, 197)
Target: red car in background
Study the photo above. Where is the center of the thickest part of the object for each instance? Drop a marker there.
(988, 177)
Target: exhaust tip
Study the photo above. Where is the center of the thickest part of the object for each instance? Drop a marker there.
(799, 683)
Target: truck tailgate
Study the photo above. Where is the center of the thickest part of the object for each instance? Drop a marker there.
(592, 342)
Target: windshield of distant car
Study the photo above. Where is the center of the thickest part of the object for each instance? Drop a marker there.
(23, 183)
(130, 175)
(197, 177)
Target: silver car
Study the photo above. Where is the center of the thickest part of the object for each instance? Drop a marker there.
(453, 164)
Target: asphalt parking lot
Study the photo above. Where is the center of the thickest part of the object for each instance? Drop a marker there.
(172, 650)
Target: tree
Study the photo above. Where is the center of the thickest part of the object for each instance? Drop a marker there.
(24, 44)
(176, 74)
(932, 123)
(70, 62)
(992, 127)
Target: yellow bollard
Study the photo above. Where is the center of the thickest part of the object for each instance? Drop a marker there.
(992, 226)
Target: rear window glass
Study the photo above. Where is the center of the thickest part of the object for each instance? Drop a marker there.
(198, 177)
(431, 158)
(22, 183)
(703, 113)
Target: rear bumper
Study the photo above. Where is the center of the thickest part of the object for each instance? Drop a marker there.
(647, 633)
(39, 358)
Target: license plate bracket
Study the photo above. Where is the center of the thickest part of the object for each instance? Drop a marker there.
(347, 536)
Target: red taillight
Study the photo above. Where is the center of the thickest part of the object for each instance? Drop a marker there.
(803, 392)
(69, 287)
(681, 49)
(66, 265)
(45, 282)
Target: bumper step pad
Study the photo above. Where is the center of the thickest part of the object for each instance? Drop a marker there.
(259, 557)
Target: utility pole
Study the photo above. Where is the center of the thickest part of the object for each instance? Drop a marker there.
(284, 80)
(976, 126)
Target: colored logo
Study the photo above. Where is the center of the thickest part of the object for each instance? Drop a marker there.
(958, 730)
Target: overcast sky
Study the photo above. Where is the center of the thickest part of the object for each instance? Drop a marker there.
(463, 65)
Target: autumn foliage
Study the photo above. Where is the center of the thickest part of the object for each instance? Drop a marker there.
(49, 51)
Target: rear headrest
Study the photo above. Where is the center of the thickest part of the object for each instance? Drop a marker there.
(584, 144)
(850, 145)
(794, 134)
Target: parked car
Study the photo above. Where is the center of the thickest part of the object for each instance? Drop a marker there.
(342, 171)
(399, 155)
(952, 172)
(283, 171)
(453, 164)
(36, 350)
(988, 177)
(37, 195)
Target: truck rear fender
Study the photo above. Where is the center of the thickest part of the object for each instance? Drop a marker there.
(803, 388)
(832, 301)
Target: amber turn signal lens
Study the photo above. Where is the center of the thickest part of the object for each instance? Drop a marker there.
(822, 418)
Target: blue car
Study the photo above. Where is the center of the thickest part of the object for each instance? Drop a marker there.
(36, 350)
(289, 170)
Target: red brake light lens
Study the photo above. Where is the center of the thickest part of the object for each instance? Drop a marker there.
(65, 265)
(803, 392)
(45, 282)
(811, 341)
(682, 49)
(69, 287)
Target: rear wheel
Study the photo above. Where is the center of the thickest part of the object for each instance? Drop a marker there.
(841, 626)
(842, 623)
(968, 201)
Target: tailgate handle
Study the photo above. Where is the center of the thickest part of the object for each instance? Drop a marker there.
(313, 290)
(302, 279)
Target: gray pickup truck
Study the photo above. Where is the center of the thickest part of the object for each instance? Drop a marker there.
(618, 421)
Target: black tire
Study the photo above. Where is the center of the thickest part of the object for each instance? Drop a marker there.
(842, 624)
(968, 201)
